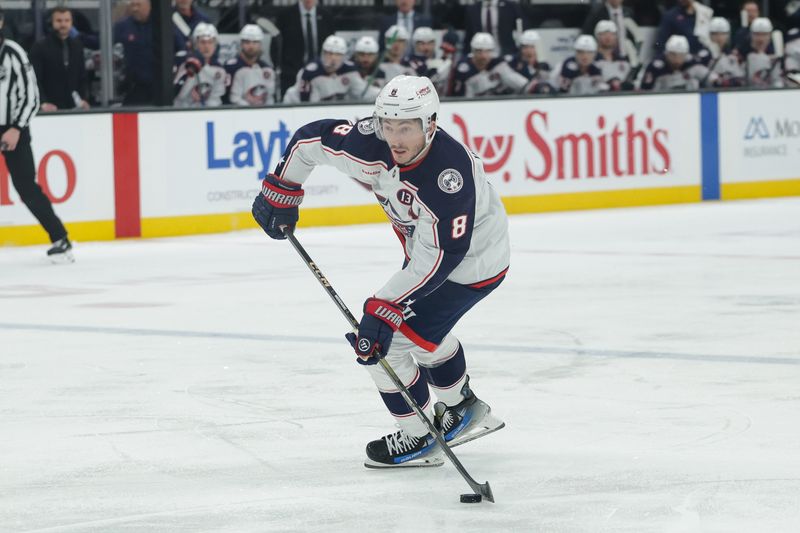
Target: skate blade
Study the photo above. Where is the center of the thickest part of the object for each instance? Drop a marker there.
(488, 423)
(61, 259)
(426, 462)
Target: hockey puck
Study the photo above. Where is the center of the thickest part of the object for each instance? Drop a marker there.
(471, 498)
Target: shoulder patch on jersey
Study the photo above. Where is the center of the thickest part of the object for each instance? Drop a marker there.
(366, 126)
(450, 181)
(463, 67)
(232, 61)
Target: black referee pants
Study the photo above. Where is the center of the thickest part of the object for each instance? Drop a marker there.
(23, 175)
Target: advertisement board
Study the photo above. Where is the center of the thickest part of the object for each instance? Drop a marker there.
(582, 145)
(211, 162)
(759, 136)
(74, 160)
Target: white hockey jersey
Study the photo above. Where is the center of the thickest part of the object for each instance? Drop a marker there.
(250, 85)
(497, 78)
(204, 88)
(570, 79)
(446, 214)
(763, 70)
(314, 84)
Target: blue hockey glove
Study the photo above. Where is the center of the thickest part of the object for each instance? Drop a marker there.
(276, 206)
(381, 319)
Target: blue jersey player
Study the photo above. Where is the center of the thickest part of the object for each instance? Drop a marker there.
(454, 233)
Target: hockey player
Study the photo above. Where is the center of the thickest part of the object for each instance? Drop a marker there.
(365, 57)
(614, 66)
(424, 49)
(676, 69)
(792, 51)
(251, 81)
(394, 63)
(200, 80)
(453, 230)
(481, 73)
(527, 63)
(762, 68)
(330, 78)
(423, 60)
(580, 74)
(724, 63)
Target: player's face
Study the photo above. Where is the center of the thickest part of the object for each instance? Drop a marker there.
(332, 62)
(584, 58)
(206, 47)
(760, 41)
(422, 48)
(528, 54)
(365, 60)
(481, 58)
(251, 49)
(607, 40)
(721, 39)
(397, 49)
(406, 138)
(675, 59)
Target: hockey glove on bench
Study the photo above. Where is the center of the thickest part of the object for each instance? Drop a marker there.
(276, 206)
(381, 319)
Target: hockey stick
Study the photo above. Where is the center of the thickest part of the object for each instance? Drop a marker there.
(484, 490)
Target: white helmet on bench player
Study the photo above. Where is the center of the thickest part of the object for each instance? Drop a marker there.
(407, 98)
(334, 45)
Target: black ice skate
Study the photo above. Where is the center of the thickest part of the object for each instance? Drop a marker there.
(61, 252)
(468, 420)
(402, 450)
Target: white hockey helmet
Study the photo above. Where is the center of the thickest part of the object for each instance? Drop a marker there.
(366, 45)
(530, 38)
(604, 26)
(334, 45)
(720, 25)
(585, 43)
(677, 44)
(761, 25)
(482, 41)
(398, 33)
(407, 97)
(423, 34)
(204, 31)
(251, 32)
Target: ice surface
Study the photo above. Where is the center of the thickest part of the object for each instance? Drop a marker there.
(646, 361)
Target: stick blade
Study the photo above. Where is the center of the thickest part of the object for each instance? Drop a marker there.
(486, 492)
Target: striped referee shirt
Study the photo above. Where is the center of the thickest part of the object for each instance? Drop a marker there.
(19, 94)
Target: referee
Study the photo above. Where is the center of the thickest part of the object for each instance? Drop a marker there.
(19, 102)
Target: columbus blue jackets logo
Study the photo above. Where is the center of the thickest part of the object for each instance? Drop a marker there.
(450, 181)
(366, 127)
